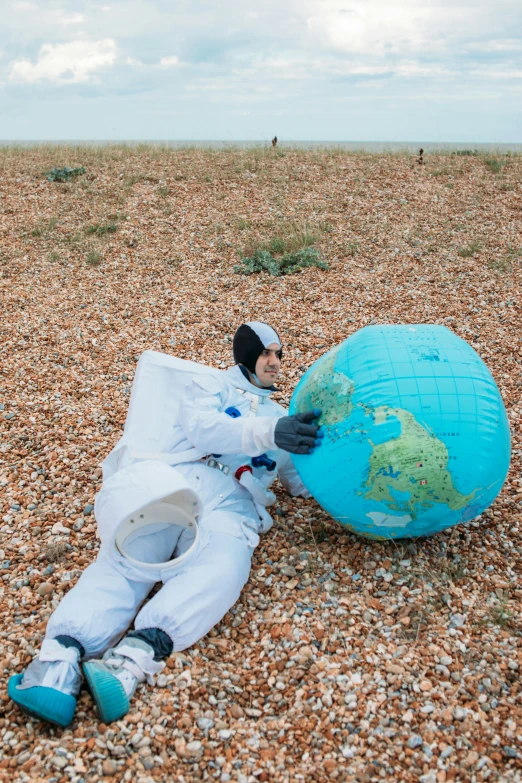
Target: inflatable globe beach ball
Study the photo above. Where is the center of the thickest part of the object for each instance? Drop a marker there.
(416, 433)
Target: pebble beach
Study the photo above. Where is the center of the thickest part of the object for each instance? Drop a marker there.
(345, 659)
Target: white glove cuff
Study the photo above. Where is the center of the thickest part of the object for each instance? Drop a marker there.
(258, 435)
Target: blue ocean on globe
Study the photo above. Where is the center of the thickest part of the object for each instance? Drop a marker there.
(416, 433)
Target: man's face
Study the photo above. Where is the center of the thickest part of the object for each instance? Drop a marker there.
(268, 365)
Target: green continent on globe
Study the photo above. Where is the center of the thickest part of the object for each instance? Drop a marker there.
(415, 463)
(328, 390)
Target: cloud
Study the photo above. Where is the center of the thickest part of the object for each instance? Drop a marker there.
(66, 63)
(496, 46)
(165, 62)
(72, 19)
(168, 62)
(378, 29)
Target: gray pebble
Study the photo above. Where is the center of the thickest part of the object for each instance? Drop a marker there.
(415, 741)
(457, 620)
(89, 508)
(510, 752)
(459, 713)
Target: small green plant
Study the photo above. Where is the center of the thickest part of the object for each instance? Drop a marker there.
(501, 614)
(291, 239)
(55, 256)
(242, 224)
(65, 174)
(94, 258)
(505, 264)
(353, 249)
(500, 264)
(75, 238)
(287, 264)
(469, 251)
(134, 179)
(43, 228)
(163, 191)
(100, 229)
(277, 245)
(325, 226)
(465, 153)
(494, 164)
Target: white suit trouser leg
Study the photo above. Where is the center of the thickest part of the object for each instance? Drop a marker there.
(102, 605)
(99, 608)
(195, 598)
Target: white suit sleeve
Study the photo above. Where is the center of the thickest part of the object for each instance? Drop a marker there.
(212, 431)
(289, 477)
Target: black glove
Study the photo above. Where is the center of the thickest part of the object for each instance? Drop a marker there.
(296, 434)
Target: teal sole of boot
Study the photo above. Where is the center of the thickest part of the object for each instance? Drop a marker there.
(107, 691)
(42, 703)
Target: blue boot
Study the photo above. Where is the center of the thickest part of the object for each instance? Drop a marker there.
(48, 688)
(113, 679)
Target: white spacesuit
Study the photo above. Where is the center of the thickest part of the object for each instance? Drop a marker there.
(189, 518)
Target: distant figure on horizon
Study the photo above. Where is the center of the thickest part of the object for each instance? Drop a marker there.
(274, 141)
(421, 153)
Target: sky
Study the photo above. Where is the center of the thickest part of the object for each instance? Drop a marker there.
(323, 70)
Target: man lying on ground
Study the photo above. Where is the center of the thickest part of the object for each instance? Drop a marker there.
(246, 439)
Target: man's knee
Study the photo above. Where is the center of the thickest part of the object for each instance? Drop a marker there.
(231, 559)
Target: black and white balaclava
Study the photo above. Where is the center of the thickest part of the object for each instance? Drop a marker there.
(249, 342)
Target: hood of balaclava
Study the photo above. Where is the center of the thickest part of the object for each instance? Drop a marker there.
(249, 342)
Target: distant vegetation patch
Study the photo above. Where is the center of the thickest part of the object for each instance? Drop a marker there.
(65, 174)
(466, 153)
(469, 251)
(495, 165)
(287, 264)
(109, 227)
(100, 229)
